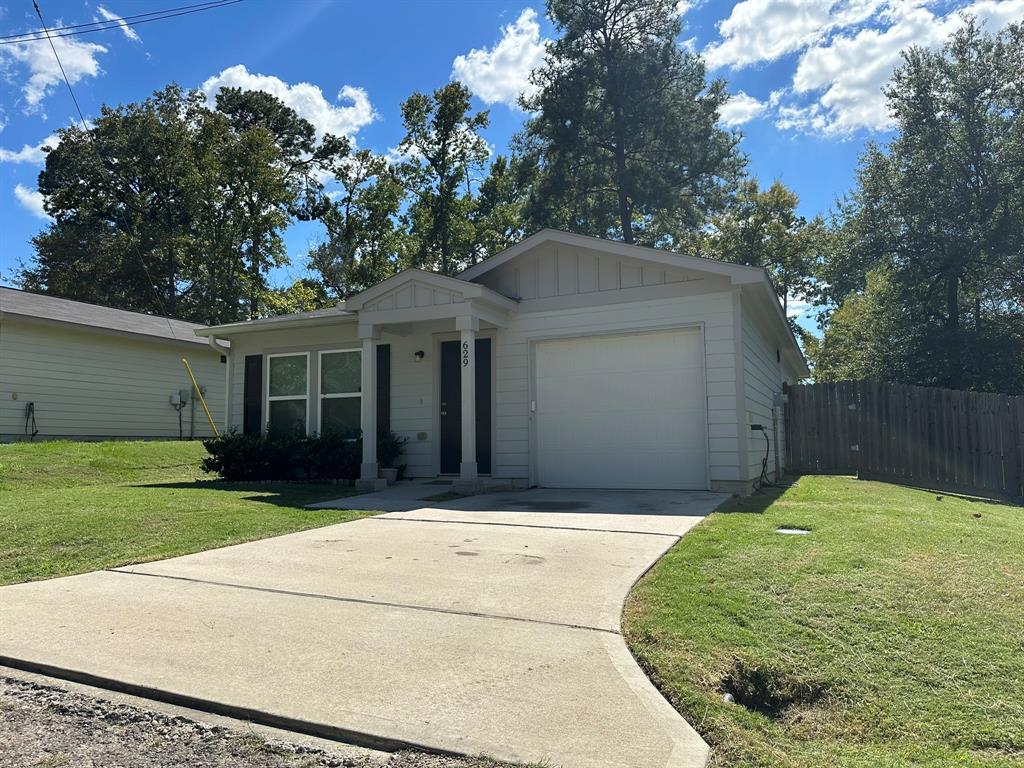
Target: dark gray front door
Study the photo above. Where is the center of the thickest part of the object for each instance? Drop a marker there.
(451, 407)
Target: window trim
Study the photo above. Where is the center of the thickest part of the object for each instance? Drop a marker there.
(271, 399)
(321, 396)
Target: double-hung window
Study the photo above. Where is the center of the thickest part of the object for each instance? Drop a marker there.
(288, 394)
(341, 380)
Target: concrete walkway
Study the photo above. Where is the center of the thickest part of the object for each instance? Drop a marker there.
(485, 625)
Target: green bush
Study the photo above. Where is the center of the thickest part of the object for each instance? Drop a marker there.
(235, 456)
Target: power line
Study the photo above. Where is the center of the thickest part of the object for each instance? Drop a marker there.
(67, 82)
(85, 128)
(113, 23)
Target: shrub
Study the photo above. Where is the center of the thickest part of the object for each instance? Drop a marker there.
(235, 456)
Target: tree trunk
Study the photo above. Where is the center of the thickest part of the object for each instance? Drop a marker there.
(954, 352)
(625, 214)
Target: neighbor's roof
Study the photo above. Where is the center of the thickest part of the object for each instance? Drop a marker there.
(41, 307)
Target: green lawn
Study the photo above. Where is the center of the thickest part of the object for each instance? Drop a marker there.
(891, 635)
(72, 507)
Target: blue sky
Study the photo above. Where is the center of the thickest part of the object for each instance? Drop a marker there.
(806, 75)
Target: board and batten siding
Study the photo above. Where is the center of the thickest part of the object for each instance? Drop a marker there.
(763, 377)
(711, 311)
(93, 384)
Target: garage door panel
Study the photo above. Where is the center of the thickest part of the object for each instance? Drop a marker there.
(622, 411)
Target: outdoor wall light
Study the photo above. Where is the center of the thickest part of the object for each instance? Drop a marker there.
(418, 355)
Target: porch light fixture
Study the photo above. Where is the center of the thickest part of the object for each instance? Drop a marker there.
(417, 355)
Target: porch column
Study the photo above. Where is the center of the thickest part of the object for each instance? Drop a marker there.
(368, 406)
(468, 326)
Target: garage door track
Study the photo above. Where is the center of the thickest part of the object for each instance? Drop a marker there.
(487, 625)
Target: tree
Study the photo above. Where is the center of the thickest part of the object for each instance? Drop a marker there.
(170, 207)
(499, 213)
(277, 176)
(941, 211)
(364, 239)
(761, 228)
(442, 150)
(625, 125)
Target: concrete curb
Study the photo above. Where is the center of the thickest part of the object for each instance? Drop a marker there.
(306, 727)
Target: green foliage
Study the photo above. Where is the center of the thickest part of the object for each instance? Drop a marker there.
(939, 212)
(443, 153)
(363, 235)
(761, 228)
(170, 207)
(235, 456)
(623, 126)
(390, 448)
(885, 637)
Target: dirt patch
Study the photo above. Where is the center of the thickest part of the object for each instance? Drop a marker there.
(772, 692)
(48, 726)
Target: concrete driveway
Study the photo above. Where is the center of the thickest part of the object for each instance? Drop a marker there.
(487, 625)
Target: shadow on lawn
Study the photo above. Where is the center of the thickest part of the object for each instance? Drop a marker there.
(759, 501)
(282, 494)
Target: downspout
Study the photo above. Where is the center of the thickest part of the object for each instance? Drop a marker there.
(225, 350)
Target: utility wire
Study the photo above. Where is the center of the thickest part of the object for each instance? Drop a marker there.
(67, 82)
(114, 23)
(92, 143)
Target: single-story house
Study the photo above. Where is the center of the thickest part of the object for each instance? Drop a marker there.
(80, 371)
(563, 361)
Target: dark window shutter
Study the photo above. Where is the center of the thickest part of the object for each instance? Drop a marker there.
(383, 387)
(252, 395)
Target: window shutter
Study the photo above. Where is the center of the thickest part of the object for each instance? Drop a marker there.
(383, 387)
(252, 395)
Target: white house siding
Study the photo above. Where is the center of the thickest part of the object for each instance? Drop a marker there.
(94, 384)
(762, 377)
(712, 311)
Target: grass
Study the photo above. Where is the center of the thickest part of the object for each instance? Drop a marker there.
(891, 635)
(70, 507)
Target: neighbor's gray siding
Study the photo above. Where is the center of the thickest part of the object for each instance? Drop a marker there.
(92, 384)
(762, 377)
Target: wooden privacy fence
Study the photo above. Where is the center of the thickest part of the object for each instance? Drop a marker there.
(969, 442)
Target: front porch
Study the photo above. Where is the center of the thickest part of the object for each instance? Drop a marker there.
(451, 324)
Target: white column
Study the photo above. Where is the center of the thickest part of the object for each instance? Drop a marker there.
(368, 415)
(468, 326)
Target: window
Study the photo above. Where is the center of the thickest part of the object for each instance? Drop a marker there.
(341, 379)
(287, 394)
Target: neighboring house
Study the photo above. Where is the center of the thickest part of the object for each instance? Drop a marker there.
(82, 371)
(563, 361)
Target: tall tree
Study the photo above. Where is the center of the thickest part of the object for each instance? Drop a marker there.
(761, 228)
(625, 125)
(500, 209)
(285, 182)
(941, 211)
(444, 154)
(171, 207)
(364, 239)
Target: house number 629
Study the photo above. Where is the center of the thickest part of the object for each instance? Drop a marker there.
(465, 354)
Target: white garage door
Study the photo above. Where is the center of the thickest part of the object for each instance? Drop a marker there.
(621, 411)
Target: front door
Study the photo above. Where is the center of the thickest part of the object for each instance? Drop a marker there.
(451, 407)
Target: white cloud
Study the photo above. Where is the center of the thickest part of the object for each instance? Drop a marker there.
(306, 99)
(78, 58)
(130, 33)
(502, 73)
(29, 153)
(764, 30)
(846, 74)
(31, 200)
(798, 307)
(739, 109)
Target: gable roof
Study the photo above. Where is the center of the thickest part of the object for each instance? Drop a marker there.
(36, 306)
(754, 279)
(465, 288)
(739, 273)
